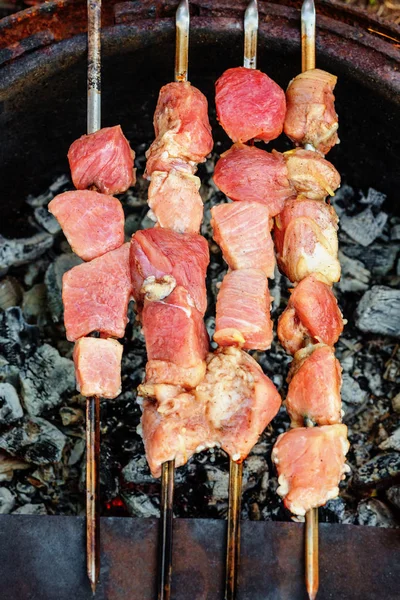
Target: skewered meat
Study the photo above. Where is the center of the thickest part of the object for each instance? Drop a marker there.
(184, 256)
(98, 367)
(96, 295)
(183, 132)
(103, 159)
(243, 311)
(241, 401)
(242, 230)
(249, 174)
(249, 105)
(310, 174)
(306, 240)
(175, 201)
(311, 117)
(312, 314)
(93, 223)
(175, 333)
(314, 387)
(310, 464)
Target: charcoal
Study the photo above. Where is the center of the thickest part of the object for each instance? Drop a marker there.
(379, 470)
(34, 305)
(21, 251)
(44, 378)
(373, 198)
(31, 509)
(379, 311)
(351, 391)
(61, 184)
(36, 441)
(355, 277)
(392, 442)
(140, 505)
(254, 468)
(374, 513)
(395, 232)
(7, 501)
(10, 406)
(18, 340)
(77, 452)
(46, 220)
(364, 227)
(71, 416)
(396, 403)
(10, 293)
(335, 510)
(137, 471)
(53, 281)
(372, 372)
(218, 482)
(379, 259)
(393, 495)
(132, 224)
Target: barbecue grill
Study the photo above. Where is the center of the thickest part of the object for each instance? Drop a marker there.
(43, 90)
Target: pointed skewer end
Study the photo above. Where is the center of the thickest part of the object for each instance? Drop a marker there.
(93, 585)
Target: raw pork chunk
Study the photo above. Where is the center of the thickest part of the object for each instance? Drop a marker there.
(310, 174)
(98, 367)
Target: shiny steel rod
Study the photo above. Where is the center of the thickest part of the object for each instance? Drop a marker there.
(93, 404)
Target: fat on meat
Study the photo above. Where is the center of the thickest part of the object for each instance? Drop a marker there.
(314, 387)
(310, 174)
(311, 117)
(103, 159)
(312, 315)
(93, 223)
(310, 464)
(249, 105)
(306, 240)
(98, 367)
(249, 174)
(243, 311)
(96, 295)
(161, 252)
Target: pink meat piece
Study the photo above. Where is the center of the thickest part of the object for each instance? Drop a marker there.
(243, 311)
(159, 252)
(96, 295)
(93, 223)
(98, 367)
(249, 105)
(242, 230)
(103, 159)
(249, 174)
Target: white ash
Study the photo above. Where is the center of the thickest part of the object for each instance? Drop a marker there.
(140, 505)
(35, 440)
(351, 391)
(379, 311)
(355, 277)
(23, 250)
(392, 442)
(7, 501)
(393, 495)
(46, 220)
(364, 227)
(10, 406)
(31, 509)
(61, 184)
(374, 513)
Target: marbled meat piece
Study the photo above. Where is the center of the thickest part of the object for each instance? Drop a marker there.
(175, 201)
(159, 252)
(310, 174)
(312, 315)
(103, 159)
(182, 128)
(310, 464)
(243, 311)
(249, 105)
(98, 367)
(242, 230)
(306, 240)
(175, 334)
(314, 387)
(249, 174)
(311, 117)
(93, 223)
(241, 401)
(96, 295)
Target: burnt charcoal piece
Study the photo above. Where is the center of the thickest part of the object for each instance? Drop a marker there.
(7, 501)
(393, 495)
(355, 277)
(137, 471)
(53, 281)
(18, 340)
(18, 252)
(378, 470)
(31, 509)
(44, 378)
(379, 259)
(392, 442)
(10, 293)
(379, 311)
(140, 505)
(37, 441)
(46, 220)
(375, 513)
(34, 304)
(10, 406)
(364, 227)
(351, 391)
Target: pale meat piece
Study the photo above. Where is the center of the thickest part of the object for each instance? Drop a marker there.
(311, 117)
(175, 201)
(103, 159)
(243, 311)
(175, 333)
(93, 223)
(159, 252)
(306, 240)
(312, 315)
(241, 401)
(98, 367)
(314, 387)
(249, 105)
(96, 295)
(310, 464)
(310, 174)
(242, 230)
(248, 174)
(182, 128)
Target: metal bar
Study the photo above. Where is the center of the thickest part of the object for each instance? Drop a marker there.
(233, 537)
(94, 66)
(93, 490)
(250, 35)
(167, 515)
(308, 35)
(182, 21)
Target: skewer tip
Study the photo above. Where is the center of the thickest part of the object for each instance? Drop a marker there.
(308, 10)
(182, 14)
(93, 585)
(251, 14)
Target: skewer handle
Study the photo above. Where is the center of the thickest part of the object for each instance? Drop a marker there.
(307, 35)
(94, 66)
(182, 21)
(93, 489)
(167, 516)
(311, 553)
(233, 539)
(250, 35)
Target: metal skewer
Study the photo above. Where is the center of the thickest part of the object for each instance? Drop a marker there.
(93, 404)
(182, 20)
(236, 469)
(311, 534)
